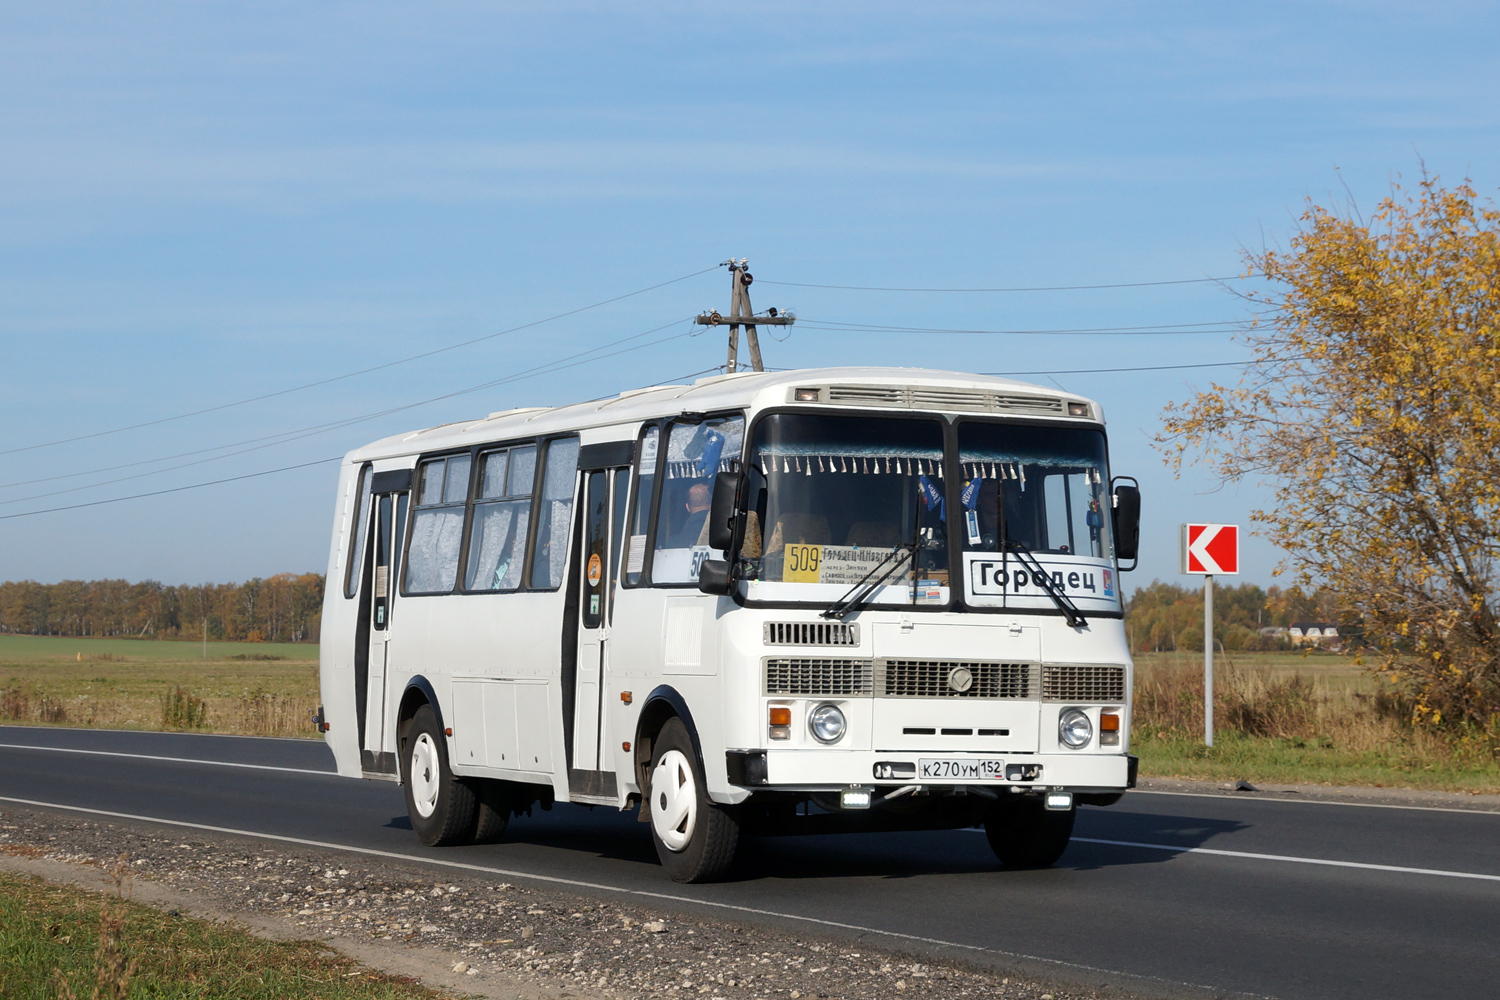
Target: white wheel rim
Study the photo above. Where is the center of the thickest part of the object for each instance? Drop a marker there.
(426, 778)
(674, 800)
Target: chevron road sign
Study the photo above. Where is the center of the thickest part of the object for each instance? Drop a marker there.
(1211, 549)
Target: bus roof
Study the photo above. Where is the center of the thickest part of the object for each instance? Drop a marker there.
(889, 389)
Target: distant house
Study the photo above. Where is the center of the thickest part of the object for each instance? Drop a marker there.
(1316, 633)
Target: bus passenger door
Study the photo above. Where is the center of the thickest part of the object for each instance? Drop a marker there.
(597, 556)
(389, 529)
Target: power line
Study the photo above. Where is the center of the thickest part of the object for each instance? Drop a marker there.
(353, 374)
(1101, 371)
(548, 368)
(1165, 329)
(287, 437)
(1035, 288)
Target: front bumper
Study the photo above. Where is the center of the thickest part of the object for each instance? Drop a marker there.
(825, 769)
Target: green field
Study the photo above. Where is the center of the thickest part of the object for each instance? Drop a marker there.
(50, 946)
(250, 688)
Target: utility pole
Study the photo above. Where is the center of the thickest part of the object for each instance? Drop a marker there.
(741, 314)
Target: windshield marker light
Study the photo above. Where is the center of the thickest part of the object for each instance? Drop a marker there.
(806, 395)
(1078, 409)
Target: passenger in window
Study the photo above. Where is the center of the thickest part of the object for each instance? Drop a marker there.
(693, 531)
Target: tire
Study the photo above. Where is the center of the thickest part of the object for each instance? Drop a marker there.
(695, 838)
(1023, 833)
(443, 809)
(492, 809)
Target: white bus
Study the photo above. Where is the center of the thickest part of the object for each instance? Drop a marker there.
(827, 599)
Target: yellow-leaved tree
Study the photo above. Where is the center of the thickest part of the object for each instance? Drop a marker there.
(1372, 407)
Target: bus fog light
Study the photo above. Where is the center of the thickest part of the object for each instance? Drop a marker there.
(1074, 729)
(1060, 801)
(827, 724)
(854, 797)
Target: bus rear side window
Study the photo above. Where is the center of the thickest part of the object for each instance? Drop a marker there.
(437, 526)
(359, 533)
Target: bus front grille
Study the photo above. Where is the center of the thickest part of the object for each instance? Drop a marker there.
(1082, 682)
(810, 633)
(955, 679)
(819, 677)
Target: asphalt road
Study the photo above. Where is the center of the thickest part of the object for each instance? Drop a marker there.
(1238, 895)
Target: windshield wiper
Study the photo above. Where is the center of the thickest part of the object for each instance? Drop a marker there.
(1064, 603)
(860, 593)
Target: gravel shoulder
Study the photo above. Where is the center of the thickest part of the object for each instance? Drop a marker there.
(495, 939)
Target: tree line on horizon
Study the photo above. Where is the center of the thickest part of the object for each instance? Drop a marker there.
(287, 607)
(1168, 617)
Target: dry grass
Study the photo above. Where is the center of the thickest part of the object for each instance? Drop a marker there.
(252, 689)
(1295, 718)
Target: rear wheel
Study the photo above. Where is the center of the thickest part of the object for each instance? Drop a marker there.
(492, 809)
(695, 838)
(442, 808)
(1023, 833)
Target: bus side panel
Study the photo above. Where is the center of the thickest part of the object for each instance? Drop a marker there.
(471, 638)
(336, 639)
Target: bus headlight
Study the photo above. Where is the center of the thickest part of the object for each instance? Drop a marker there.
(1074, 729)
(827, 724)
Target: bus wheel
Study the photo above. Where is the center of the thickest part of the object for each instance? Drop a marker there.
(1025, 834)
(442, 808)
(695, 839)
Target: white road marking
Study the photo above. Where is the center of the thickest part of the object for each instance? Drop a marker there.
(1290, 858)
(580, 884)
(1318, 802)
(175, 760)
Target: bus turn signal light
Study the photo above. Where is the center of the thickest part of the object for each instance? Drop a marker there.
(781, 723)
(1109, 730)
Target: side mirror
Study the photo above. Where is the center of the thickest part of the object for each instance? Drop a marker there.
(1125, 513)
(721, 510)
(713, 577)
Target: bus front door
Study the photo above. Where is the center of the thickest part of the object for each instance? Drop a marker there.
(389, 526)
(603, 520)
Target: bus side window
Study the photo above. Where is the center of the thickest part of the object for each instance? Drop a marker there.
(696, 452)
(359, 533)
(553, 514)
(437, 526)
(502, 512)
(640, 506)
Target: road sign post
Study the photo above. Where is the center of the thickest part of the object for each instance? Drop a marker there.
(1208, 549)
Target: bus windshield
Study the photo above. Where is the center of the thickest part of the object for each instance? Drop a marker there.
(1037, 490)
(832, 497)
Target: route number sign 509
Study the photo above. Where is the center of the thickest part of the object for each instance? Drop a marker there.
(802, 563)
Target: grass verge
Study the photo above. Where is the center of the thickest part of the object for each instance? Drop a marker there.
(252, 689)
(1293, 719)
(60, 941)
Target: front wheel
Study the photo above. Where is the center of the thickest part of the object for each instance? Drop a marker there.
(1023, 833)
(695, 838)
(442, 808)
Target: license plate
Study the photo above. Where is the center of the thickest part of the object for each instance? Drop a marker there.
(940, 768)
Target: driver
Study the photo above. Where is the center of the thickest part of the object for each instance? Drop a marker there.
(699, 499)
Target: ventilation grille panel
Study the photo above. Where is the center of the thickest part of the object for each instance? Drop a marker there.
(930, 679)
(941, 398)
(819, 677)
(811, 633)
(1077, 682)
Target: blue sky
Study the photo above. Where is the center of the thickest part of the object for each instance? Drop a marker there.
(201, 203)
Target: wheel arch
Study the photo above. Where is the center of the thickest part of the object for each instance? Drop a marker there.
(419, 692)
(664, 703)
